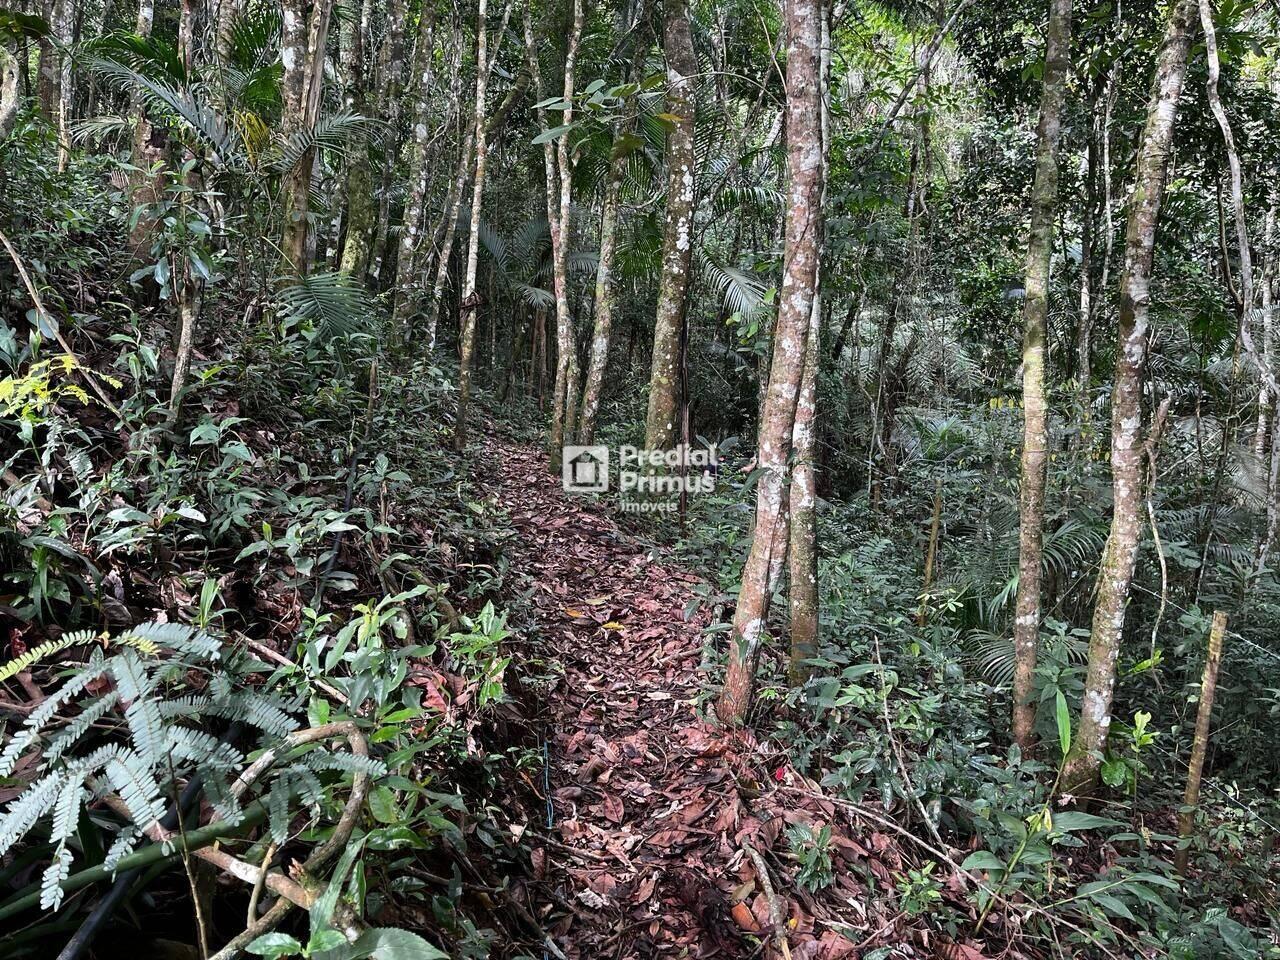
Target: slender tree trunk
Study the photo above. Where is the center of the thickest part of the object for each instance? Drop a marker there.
(228, 12)
(803, 496)
(1266, 403)
(47, 63)
(1035, 436)
(64, 18)
(1200, 742)
(1120, 554)
(303, 55)
(470, 301)
(406, 294)
(359, 185)
(453, 207)
(188, 289)
(565, 406)
(188, 15)
(391, 75)
(604, 291)
(790, 345)
(677, 242)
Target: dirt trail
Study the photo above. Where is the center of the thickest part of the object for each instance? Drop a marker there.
(634, 776)
(648, 847)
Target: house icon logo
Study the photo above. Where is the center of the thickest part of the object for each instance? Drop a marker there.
(585, 469)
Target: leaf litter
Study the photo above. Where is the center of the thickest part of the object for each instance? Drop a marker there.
(655, 812)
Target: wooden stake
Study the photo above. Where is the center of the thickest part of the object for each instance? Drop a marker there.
(1200, 745)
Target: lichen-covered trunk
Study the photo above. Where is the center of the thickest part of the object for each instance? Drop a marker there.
(9, 95)
(406, 292)
(1116, 571)
(790, 345)
(1035, 432)
(467, 339)
(677, 241)
(802, 505)
(602, 331)
(1266, 402)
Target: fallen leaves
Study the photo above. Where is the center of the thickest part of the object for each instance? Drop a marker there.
(651, 805)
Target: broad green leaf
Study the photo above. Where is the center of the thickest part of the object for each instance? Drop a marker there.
(1064, 723)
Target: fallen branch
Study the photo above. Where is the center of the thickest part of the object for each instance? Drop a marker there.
(777, 916)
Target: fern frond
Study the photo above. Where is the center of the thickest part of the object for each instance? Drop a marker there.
(44, 651)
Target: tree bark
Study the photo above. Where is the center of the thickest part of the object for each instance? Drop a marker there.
(1035, 311)
(9, 97)
(406, 293)
(453, 207)
(359, 185)
(604, 291)
(303, 53)
(565, 405)
(1120, 554)
(677, 242)
(802, 553)
(790, 345)
(1200, 742)
(391, 74)
(469, 298)
(64, 18)
(1266, 403)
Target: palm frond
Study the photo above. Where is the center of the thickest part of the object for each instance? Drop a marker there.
(333, 302)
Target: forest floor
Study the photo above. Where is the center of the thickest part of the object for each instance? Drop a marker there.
(662, 825)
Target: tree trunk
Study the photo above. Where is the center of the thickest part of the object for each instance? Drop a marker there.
(303, 56)
(453, 207)
(359, 185)
(406, 293)
(391, 74)
(1120, 554)
(1266, 403)
(677, 242)
(1200, 742)
(9, 96)
(469, 299)
(1035, 436)
(187, 17)
(604, 291)
(790, 345)
(228, 12)
(803, 495)
(64, 17)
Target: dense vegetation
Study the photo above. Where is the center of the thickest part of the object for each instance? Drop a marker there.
(968, 651)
